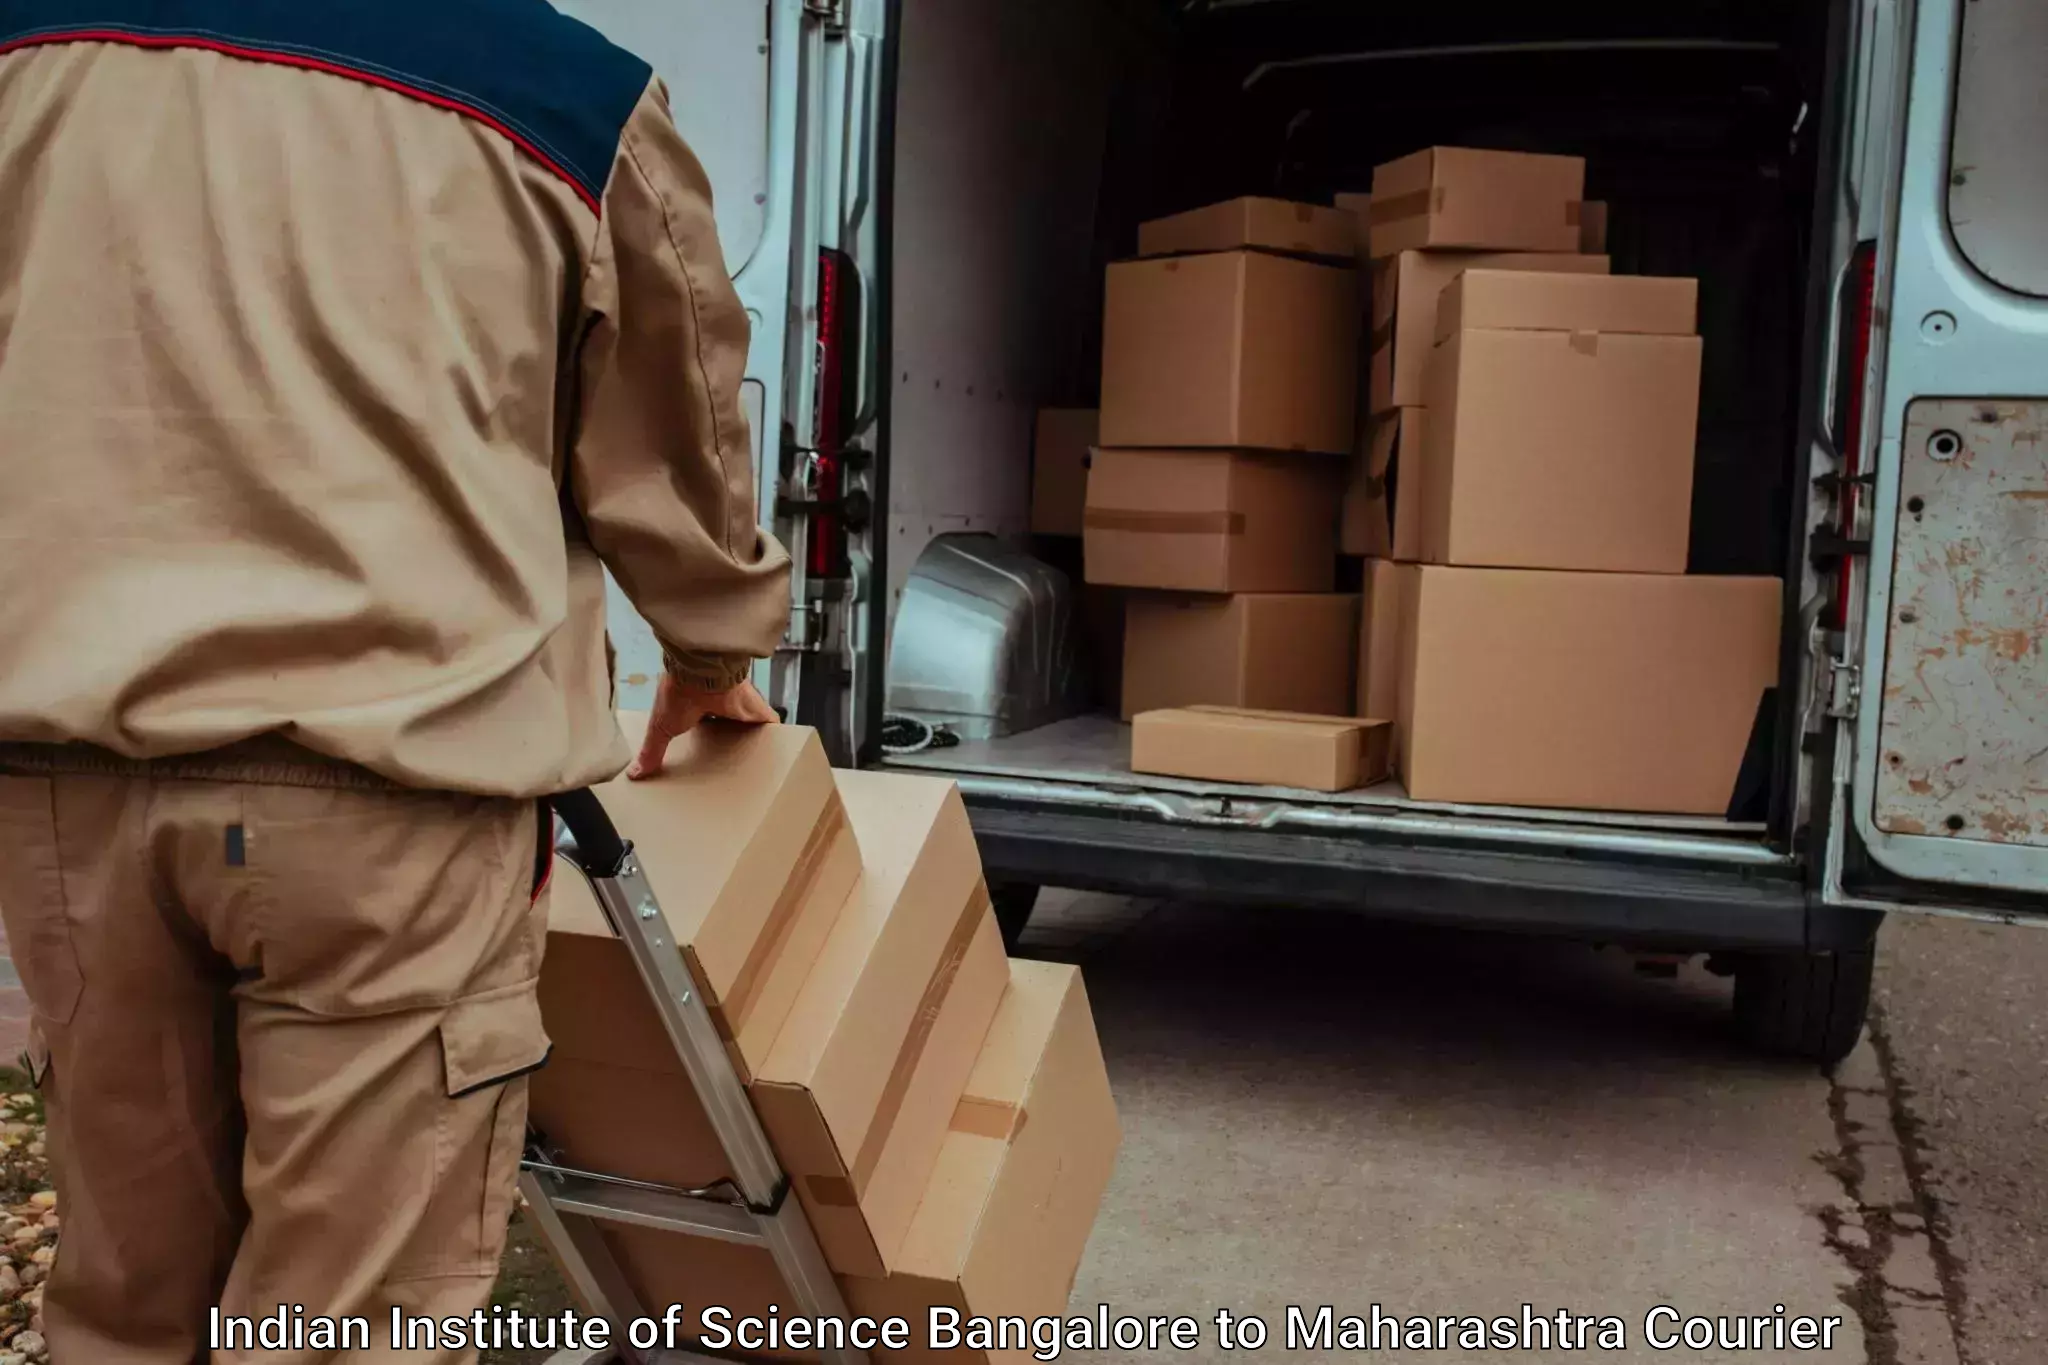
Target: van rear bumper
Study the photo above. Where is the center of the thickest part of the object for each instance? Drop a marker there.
(1671, 904)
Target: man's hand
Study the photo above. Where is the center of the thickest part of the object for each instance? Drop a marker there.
(678, 708)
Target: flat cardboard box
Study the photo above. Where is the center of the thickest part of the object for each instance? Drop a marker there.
(1211, 521)
(1008, 1211)
(1550, 449)
(1257, 223)
(860, 1086)
(1272, 651)
(1405, 294)
(1379, 644)
(1526, 300)
(1059, 469)
(1237, 349)
(1599, 691)
(1269, 748)
(1593, 226)
(1390, 467)
(1459, 197)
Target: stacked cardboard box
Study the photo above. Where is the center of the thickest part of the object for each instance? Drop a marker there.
(1530, 627)
(1432, 216)
(840, 929)
(1229, 395)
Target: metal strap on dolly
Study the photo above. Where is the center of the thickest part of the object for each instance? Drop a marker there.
(754, 1208)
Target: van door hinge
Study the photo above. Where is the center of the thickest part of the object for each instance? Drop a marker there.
(833, 12)
(1845, 689)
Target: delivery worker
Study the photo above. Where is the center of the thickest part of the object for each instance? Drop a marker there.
(339, 343)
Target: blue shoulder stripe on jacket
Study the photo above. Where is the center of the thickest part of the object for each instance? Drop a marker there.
(551, 84)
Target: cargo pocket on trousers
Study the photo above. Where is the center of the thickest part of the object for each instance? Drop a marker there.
(32, 899)
(490, 1044)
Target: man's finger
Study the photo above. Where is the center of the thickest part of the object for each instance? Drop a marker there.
(749, 705)
(653, 750)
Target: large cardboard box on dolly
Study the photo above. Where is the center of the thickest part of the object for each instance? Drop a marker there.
(1059, 469)
(1405, 292)
(747, 847)
(1563, 415)
(1383, 489)
(860, 1082)
(1211, 521)
(860, 1086)
(1272, 651)
(1258, 223)
(1267, 748)
(1006, 1215)
(1459, 197)
(1606, 691)
(1238, 349)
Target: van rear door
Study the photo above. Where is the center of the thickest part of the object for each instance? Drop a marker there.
(1941, 773)
(745, 78)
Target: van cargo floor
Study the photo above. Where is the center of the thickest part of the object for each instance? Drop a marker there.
(1094, 752)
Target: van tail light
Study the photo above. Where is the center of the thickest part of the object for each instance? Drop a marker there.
(835, 373)
(1859, 311)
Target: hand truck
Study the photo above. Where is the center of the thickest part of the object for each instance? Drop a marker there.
(754, 1207)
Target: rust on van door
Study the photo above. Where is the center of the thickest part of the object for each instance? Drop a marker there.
(1964, 731)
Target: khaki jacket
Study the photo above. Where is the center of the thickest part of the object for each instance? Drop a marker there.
(327, 382)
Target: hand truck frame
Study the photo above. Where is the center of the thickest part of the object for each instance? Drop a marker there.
(754, 1207)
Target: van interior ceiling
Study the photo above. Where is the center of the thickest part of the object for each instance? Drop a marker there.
(1698, 122)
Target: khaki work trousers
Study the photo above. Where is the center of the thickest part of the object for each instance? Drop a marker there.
(283, 1017)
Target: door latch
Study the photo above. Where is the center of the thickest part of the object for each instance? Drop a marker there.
(1845, 689)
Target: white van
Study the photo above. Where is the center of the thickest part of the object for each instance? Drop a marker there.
(918, 199)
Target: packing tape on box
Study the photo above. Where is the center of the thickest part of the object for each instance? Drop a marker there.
(1164, 523)
(1414, 204)
(972, 917)
(1586, 343)
(732, 1011)
(1417, 203)
(987, 1118)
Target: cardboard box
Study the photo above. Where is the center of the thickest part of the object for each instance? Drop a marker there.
(1593, 227)
(1237, 349)
(1255, 223)
(1560, 449)
(1006, 1216)
(1524, 300)
(1601, 691)
(748, 849)
(1459, 197)
(1270, 748)
(1272, 651)
(1059, 469)
(857, 1092)
(1211, 521)
(1359, 206)
(1388, 471)
(1405, 293)
(1379, 643)
(859, 1088)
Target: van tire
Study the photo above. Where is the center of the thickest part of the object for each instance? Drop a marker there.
(1013, 902)
(1808, 1006)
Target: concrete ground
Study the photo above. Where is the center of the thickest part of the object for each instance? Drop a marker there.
(1320, 1110)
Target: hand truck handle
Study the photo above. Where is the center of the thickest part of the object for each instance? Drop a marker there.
(600, 850)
